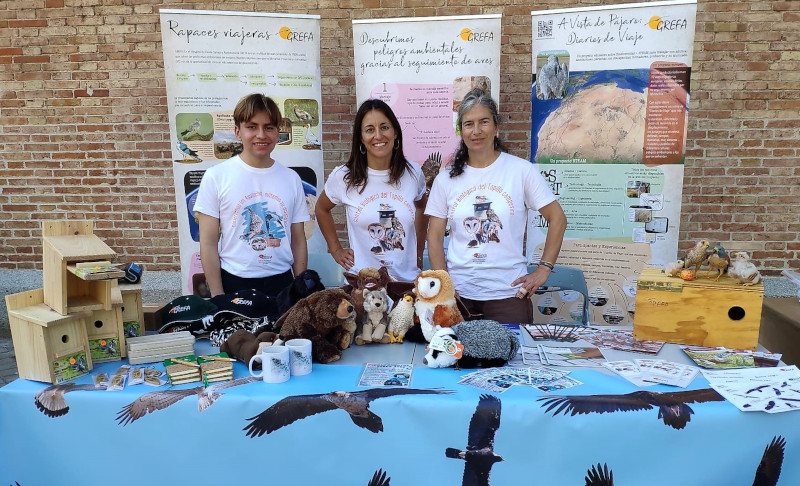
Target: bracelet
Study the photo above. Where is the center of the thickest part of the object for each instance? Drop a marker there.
(546, 264)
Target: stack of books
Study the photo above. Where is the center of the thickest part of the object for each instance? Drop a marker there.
(183, 369)
(158, 347)
(216, 367)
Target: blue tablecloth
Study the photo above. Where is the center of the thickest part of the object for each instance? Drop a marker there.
(181, 445)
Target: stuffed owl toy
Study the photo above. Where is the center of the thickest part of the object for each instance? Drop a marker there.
(401, 319)
(743, 270)
(436, 302)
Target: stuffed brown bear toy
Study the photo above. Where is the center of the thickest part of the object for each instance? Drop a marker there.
(244, 345)
(327, 318)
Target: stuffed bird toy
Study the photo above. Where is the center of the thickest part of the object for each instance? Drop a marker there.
(696, 256)
(743, 270)
(717, 260)
(673, 269)
(401, 319)
(436, 302)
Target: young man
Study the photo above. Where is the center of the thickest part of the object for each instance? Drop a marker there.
(251, 210)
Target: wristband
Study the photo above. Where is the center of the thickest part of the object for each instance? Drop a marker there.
(546, 264)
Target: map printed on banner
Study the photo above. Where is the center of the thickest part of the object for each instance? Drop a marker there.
(211, 60)
(610, 98)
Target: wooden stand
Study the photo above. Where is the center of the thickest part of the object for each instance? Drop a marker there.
(49, 346)
(67, 246)
(701, 312)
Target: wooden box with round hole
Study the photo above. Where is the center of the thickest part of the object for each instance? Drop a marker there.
(106, 336)
(701, 312)
(49, 346)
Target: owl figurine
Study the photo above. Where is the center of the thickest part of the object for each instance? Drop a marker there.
(401, 319)
(743, 270)
(436, 302)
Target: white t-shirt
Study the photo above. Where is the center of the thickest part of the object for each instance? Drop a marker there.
(255, 208)
(487, 213)
(380, 220)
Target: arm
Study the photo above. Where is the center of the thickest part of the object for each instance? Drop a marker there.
(556, 226)
(436, 229)
(299, 249)
(421, 227)
(209, 252)
(322, 210)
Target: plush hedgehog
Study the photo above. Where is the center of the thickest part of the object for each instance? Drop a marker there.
(486, 344)
(436, 301)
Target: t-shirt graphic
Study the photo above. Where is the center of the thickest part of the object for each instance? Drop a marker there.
(484, 225)
(387, 233)
(262, 228)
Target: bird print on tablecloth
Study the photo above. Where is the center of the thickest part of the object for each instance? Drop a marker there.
(302, 115)
(194, 127)
(431, 168)
(718, 260)
(161, 399)
(767, 473)
(479, 456)
(696, 256)
(379, 479)
(673, 407)
(51, 402)
(297, 407)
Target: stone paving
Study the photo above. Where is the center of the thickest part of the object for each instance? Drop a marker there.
(8, 362)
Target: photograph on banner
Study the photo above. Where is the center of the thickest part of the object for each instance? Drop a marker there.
(422, 68)
(213, 59)
(610, 107)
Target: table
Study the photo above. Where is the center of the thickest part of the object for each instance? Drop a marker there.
(180, 445)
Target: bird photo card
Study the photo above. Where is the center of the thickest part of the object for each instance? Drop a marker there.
(724, 358)
(495, 380)
(576, 356)
(390, 375)
(628, 370)
(621, 340)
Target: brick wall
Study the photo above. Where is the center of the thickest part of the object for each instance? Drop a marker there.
(84, 134)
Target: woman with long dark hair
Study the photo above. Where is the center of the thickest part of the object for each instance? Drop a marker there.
(484, 197)
(384, 197)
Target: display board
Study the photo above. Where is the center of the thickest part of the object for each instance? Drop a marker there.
(422, 68)
(610, 104)
(211, 60)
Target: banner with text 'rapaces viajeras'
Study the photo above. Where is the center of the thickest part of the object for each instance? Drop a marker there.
(610, 104)
(211, 60)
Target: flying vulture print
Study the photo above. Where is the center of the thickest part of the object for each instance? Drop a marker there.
(293, 408)
(479, 457)
(673, 407)
(767, 473)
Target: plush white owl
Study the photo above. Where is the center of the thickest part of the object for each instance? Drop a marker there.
(401, 319)
(436, 302)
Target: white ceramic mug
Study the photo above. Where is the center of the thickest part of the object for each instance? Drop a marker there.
(300, 359)
(274, 364)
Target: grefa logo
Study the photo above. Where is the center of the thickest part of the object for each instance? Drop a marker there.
(657, 22)
(294, 35)
(179, 308)
(470, 35)
(241, 301)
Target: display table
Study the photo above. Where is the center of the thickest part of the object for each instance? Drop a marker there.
(89, 445)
